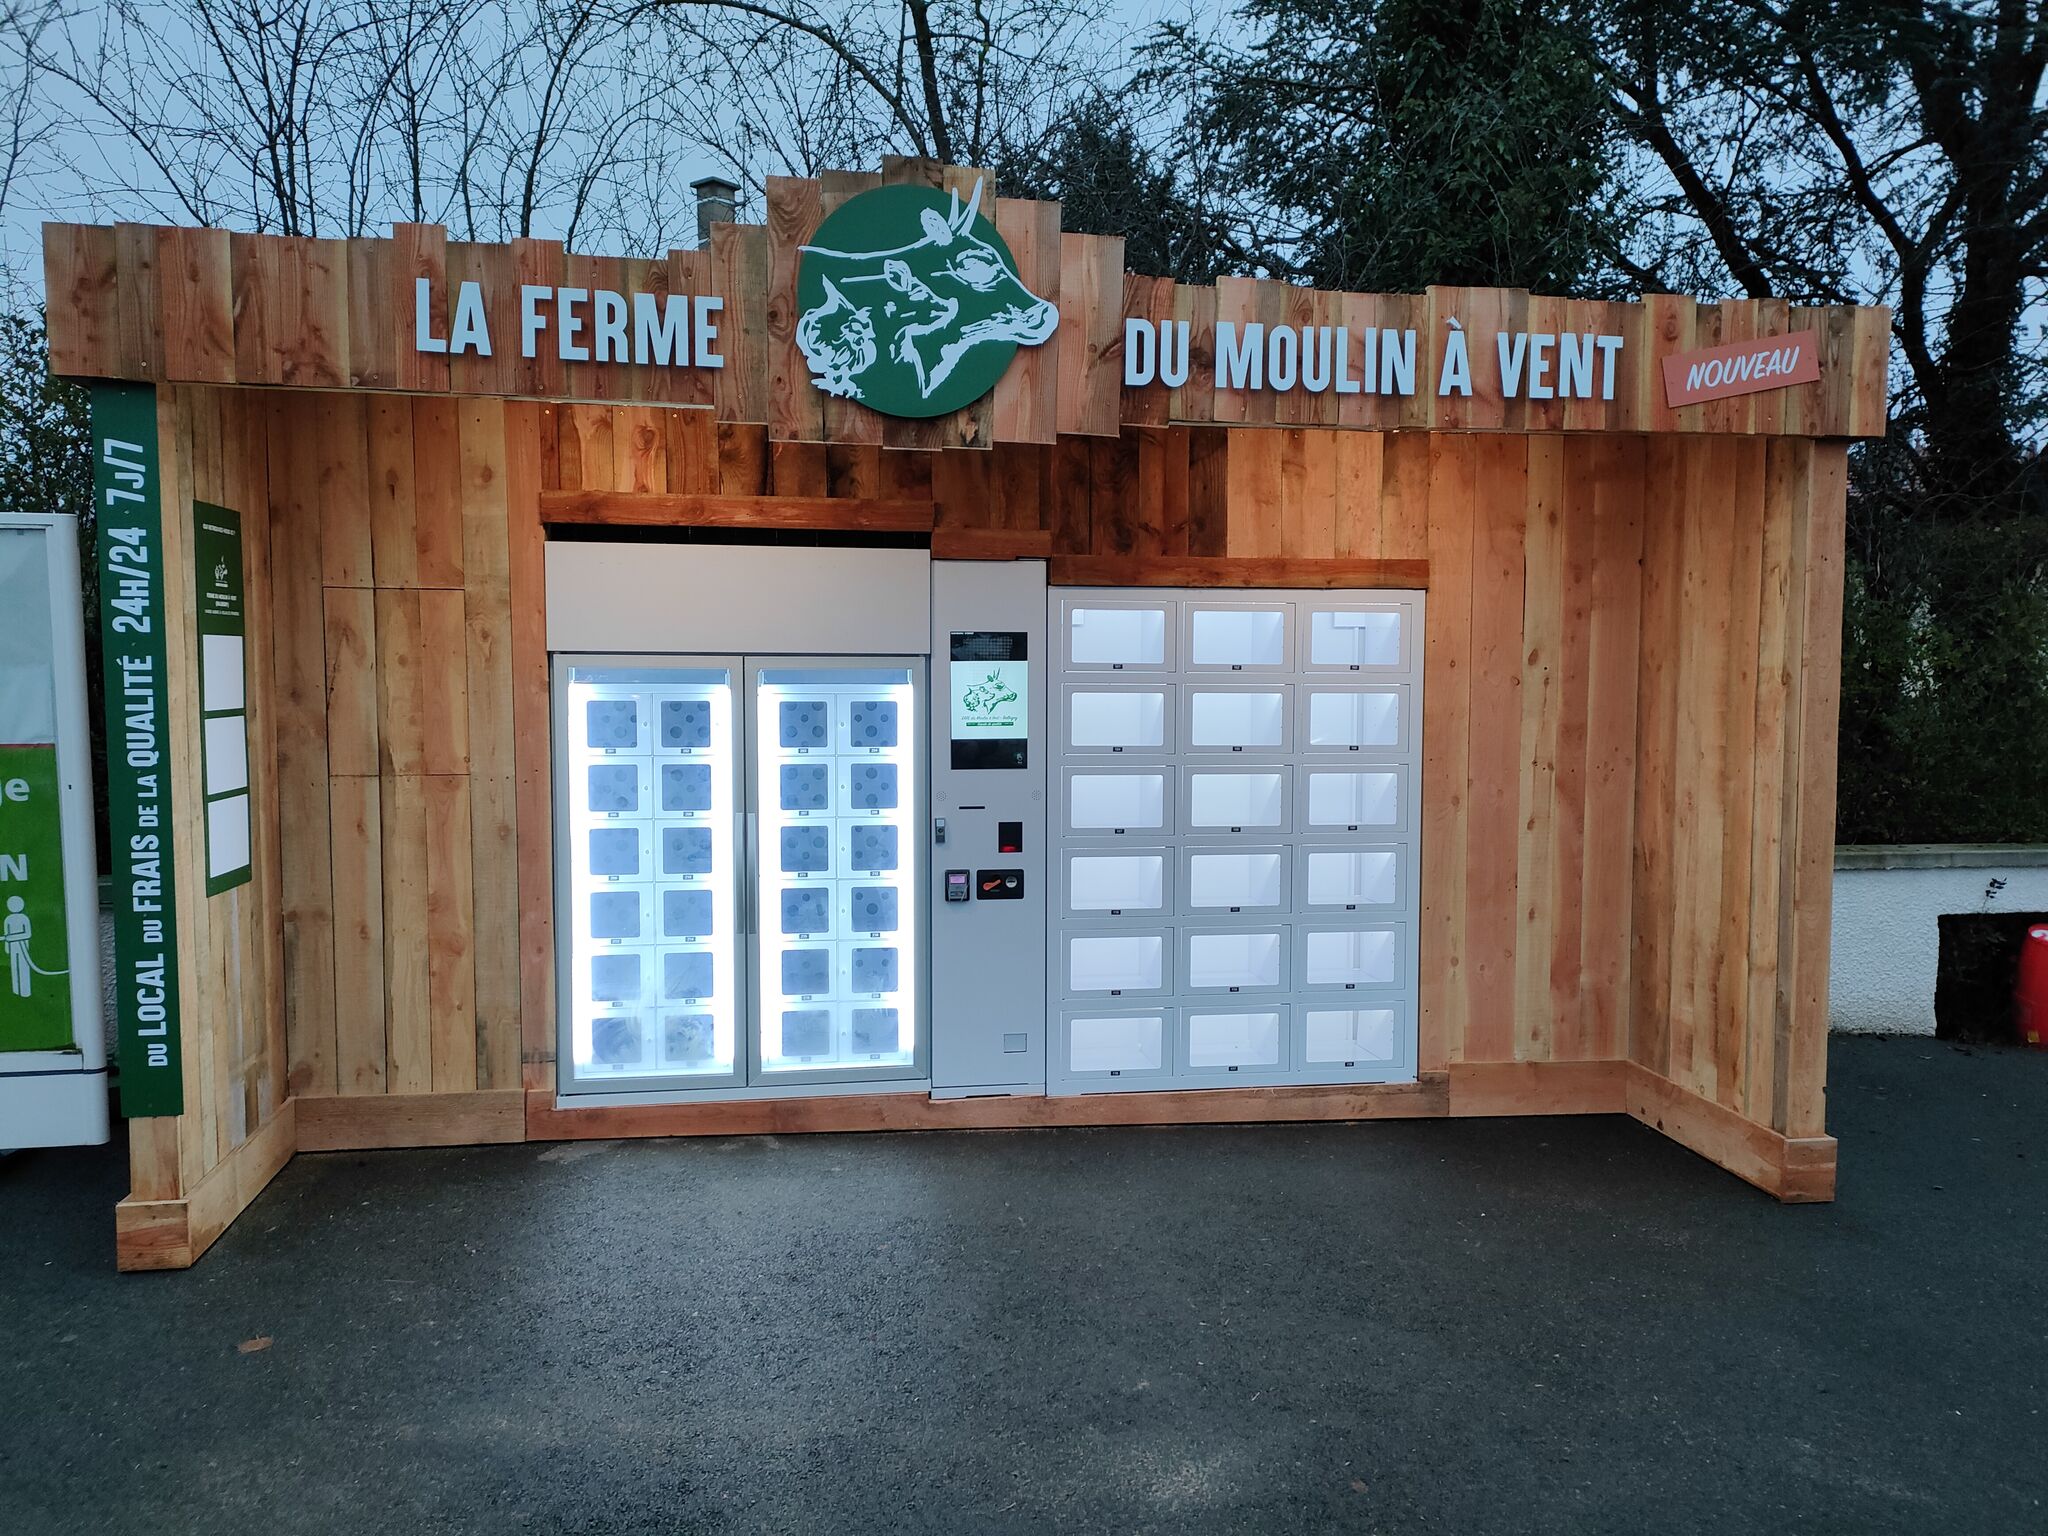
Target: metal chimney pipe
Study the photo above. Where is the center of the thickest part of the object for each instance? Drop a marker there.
(718, 202)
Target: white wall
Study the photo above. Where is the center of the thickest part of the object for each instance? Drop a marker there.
(1886, 938)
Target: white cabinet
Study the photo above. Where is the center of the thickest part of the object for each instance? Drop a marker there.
(1238, 878)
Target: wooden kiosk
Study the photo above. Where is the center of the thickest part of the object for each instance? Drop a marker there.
(1627, 753)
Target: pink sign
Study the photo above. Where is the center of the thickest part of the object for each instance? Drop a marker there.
(1741, 368)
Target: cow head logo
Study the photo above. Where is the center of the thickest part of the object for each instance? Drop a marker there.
(910, 303)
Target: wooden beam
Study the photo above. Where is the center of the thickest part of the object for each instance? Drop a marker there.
(172, 1234)
(644, 509)
(1799, 1170)
(345, 1123)
(1248, 571)
(546, 1120)
(991, 543)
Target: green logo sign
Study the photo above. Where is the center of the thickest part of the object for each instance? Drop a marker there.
(35, 963)
(911, 304)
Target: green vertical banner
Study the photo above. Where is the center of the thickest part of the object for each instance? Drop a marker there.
(128, 493)
(35, 943)
(223, 696)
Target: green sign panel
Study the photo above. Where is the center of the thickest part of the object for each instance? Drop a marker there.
(128, 492)
(35, 955)
(223, 696)
(909, 302)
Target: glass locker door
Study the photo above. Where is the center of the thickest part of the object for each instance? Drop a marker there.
(648, 889)
(837, 803)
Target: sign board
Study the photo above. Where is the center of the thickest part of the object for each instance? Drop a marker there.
(223, 693)
(128, 493)
(989, 693)
(35, 940)
(909, 302)
(1741, 368)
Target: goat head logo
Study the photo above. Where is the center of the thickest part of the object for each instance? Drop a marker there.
(910, 303)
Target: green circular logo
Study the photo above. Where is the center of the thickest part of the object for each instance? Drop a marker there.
(909, 302)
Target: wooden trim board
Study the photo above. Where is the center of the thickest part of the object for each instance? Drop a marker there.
(1798, 1170)
(546, 1121)
(1487, 1088)
(991, 543)
(1225, 571)
(353, 1122)
(660, 509)
(172, 1234)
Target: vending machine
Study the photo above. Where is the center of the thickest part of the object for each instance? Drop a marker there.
(53, 1059)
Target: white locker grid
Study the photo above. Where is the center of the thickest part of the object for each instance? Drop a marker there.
(1276, 738)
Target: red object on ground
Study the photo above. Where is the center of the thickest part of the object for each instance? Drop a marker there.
(2030, 992)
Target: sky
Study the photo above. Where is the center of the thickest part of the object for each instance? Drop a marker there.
(71, 172)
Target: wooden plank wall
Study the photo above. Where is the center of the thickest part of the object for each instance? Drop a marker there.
(1629, 694)
(230, 965)
(161, 304)
(1628, 734)
(411, 957)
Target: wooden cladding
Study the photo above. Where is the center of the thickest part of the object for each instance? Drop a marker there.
(206, 306)
(411, 895)
(1629, 695)
(1629, 704)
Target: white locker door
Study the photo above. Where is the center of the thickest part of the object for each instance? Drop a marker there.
(1235, 805)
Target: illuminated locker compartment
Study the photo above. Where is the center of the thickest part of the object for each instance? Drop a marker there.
(621, 914)
(1117, 884)
(879, 1035)
(871, 848)
(691, 723)
(684, 789)
(1119, 719)
(614, 789)
(621, 852)
(1236, 638)
(616, 722)
(799, 1035)
(1231, 880)
(1118, 801)
(873, 724)
(1355, 800)
(1236, 960)
(1336, 1039)
(1350, 958)
(1354, 719)
(1349, 878)
(688, 912)
(619, 1044)
(871, 785)
(1118, 636)
(804, 911)
(1236, 719)
(1355, 639)
(873, 909)
(1111, 1045)
(1117, 964)
(1241, 1041)
(805, 788)
(1233, 800)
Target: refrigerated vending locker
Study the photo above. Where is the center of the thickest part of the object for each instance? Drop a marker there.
(1236, 798)
(740, 854)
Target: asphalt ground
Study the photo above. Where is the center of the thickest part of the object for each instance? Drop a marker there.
(1462, 1326)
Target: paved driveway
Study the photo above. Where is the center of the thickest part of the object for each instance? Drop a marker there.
(1468, 1326)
